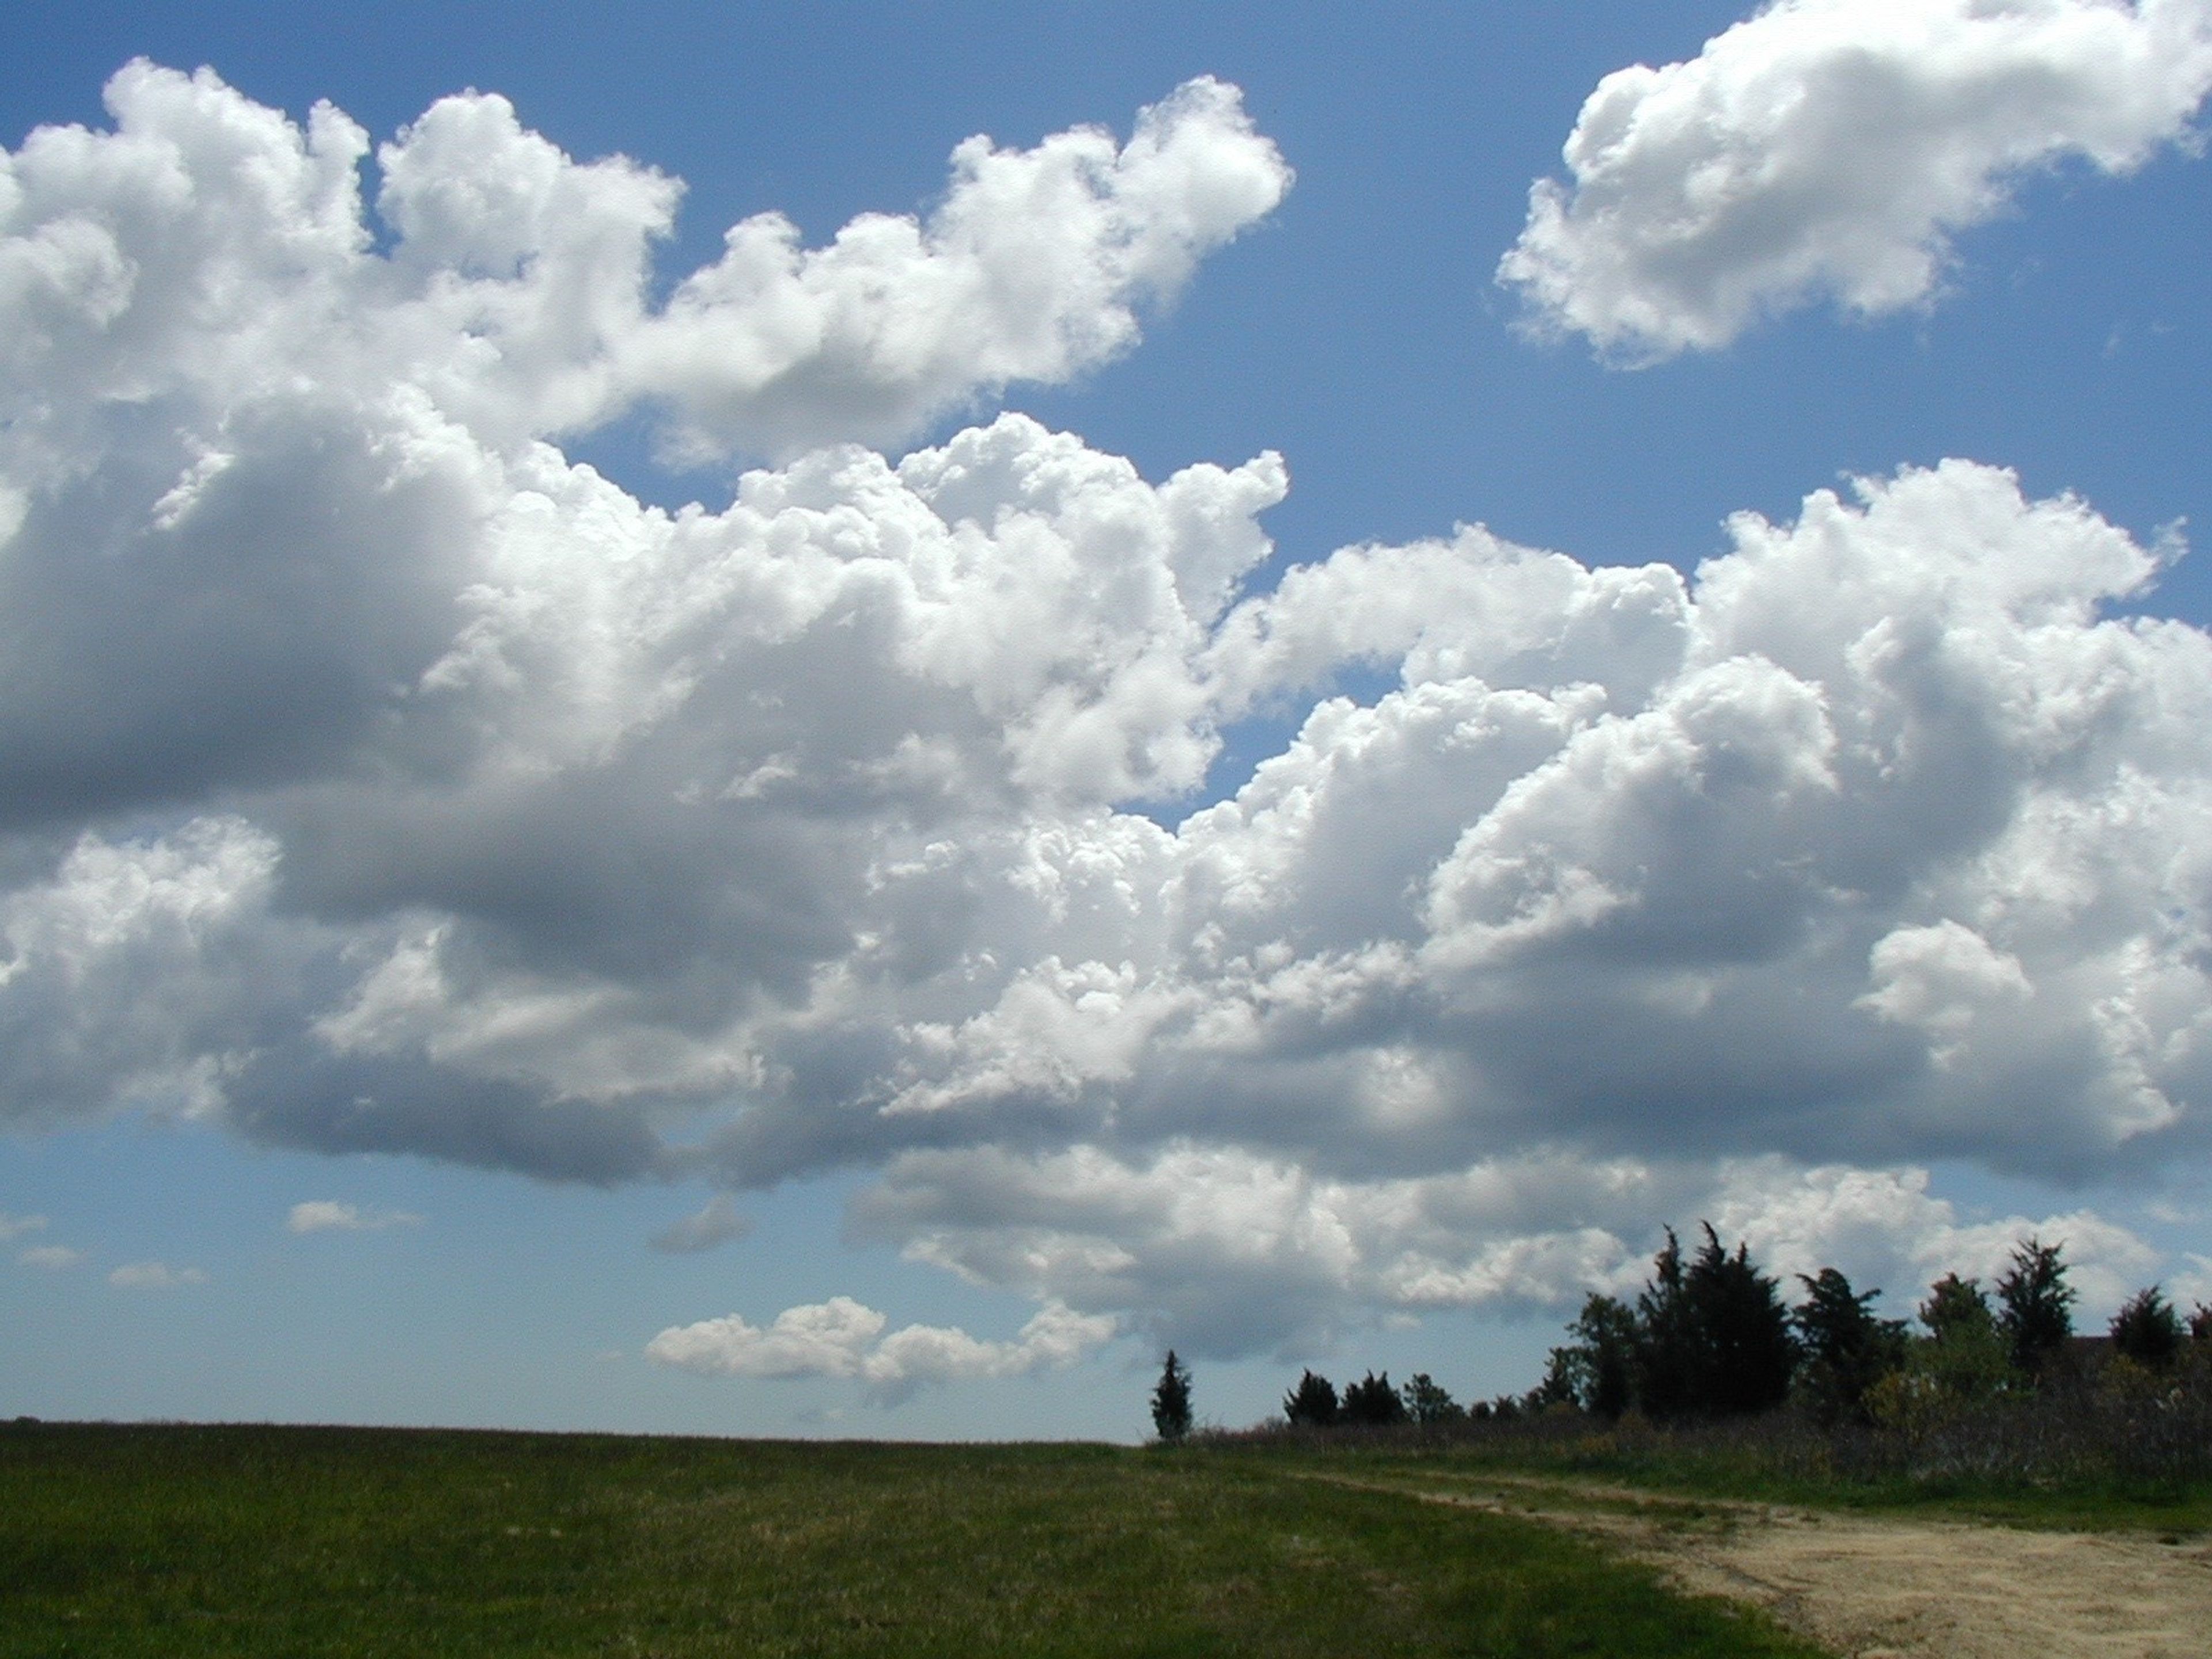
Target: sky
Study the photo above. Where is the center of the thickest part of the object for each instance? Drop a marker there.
(826, 720)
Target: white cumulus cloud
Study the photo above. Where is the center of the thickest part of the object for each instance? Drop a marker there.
(1832, 149)
(53, 1257)
(797, 832)
(323, 1215)
(841, 1338)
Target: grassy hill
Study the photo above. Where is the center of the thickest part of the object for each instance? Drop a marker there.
(180, 1540)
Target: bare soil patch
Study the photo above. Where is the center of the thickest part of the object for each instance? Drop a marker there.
(1886, 1587)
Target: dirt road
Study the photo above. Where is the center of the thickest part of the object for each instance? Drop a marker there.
(1886, 1588)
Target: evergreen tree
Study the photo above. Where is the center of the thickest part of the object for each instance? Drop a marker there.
(1428, 1402)
(2038, 1303)
(1667, 1380)
(2148, 1330)
(1846, 1349)
(1745, 1351)
(1371, 1402)
(1313, 1403)
(1966, 1357)
(1956, 1305)
(1600, 1363)
(1171, 1401)
(1560, 1386)
(1712, 1338)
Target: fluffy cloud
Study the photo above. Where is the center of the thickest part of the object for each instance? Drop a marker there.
(323, 1215)
(841, 1338)
(155, 1276)
(53, 1257)
(1031, 269)
(1225, 1254)
(12, 1227)
(376, 779)
(210, 241)
(1830, 148)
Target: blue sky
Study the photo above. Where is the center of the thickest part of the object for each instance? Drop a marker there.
(403, 819)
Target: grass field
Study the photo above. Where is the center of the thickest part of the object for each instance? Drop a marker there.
(180, 1540)
(1748, 1463)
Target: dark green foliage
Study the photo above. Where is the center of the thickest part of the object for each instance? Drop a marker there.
(1312, 1404)
(1371, 1403)
(1709, 1338)
(1667, 1358)
(1603, 1357)
(1746, 1352)
(1712, 1338)
(251, 1543)
(2038, 1305)
(2200, 1323)
(1559, 1387)
(2148, 1330)
(1956, 1306)
(1846, 1350)
(1429, 1403)
(1171, 1401)
(1962, 1365)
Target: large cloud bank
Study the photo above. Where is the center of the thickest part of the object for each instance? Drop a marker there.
(1831, 148)
(376, 779)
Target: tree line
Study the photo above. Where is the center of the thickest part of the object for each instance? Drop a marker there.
(1710, 1335)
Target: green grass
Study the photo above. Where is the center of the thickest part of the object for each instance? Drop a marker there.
(1691, 1467)
(249, 1541)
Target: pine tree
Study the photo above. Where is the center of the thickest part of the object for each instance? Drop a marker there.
(1666, 1338)
(1313, 1403)
(1371, 1402)
(1746, 1352)
(1601, 1362)
(1847, 1350)
(1712, 1338)
(2148, 1330)
(1429, 1402)
(1964, 1357)
(1171, 1401)
(2039, 1305)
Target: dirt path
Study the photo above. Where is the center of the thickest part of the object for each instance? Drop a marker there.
(1888, 1588)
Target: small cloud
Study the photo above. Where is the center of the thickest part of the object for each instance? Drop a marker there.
(53, 1257)
(717, 1223)
(324, 1215)
(610, 1355)
(841, 1338)
(15, 1226)
(155, 1276)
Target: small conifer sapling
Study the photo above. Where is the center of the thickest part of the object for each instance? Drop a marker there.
(1171, 1401)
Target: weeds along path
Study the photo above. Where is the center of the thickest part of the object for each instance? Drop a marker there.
(1886, 1587)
